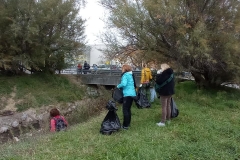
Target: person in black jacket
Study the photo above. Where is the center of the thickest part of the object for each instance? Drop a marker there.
(86, 67)
(165, 92)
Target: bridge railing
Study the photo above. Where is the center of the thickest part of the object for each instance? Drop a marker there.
(108, 72)
(106, 77)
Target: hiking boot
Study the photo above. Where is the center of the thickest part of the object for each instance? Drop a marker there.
(160, 124)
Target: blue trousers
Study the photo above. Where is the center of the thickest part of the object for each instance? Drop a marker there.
(153, 94)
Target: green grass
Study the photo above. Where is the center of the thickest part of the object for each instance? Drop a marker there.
(207, 128)
(34, 91)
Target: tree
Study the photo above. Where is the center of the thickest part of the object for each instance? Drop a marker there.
(39, 34)
(202, 36)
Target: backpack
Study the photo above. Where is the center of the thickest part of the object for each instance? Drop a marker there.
(60, 124)
(174, 109)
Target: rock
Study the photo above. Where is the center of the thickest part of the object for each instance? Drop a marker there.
(29, 134)
(15, 124)
(41, 116)
(29, 119)
(73, 107)
(24, 117)
(3, 129)
(16, 139)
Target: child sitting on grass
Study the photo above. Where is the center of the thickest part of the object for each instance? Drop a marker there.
(58, 122)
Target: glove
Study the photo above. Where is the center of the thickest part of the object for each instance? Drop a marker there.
(140, 85)
(159, 71)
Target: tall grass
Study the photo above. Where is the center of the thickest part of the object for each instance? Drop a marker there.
(207, 128)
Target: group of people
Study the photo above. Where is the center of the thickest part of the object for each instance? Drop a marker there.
(83, 69)
(128, 85)
(148, 81)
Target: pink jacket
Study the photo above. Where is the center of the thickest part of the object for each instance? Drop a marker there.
(53, 125)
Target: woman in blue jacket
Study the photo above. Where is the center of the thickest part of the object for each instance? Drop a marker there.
(128, 85)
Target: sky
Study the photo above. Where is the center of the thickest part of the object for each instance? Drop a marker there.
(93, 13)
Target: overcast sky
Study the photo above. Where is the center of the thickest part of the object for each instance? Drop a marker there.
(93, 13)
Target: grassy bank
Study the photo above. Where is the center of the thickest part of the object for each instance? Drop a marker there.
(38, 90)
(207, 128)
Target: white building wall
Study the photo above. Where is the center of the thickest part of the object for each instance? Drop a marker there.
(96, 56)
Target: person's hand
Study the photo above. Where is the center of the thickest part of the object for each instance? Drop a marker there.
(159, 71)
(140, 85)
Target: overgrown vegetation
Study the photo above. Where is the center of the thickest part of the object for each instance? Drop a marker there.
(200, 36)
(207, 128)
(44, 35)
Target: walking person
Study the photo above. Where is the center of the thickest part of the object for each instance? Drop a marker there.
(166, 92)
(128, 85)
(146, 76)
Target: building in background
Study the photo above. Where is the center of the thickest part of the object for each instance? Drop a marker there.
(84, 57)
(96, 56)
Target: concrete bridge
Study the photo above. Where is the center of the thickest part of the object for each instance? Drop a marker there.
(112, 77)
(106, 77)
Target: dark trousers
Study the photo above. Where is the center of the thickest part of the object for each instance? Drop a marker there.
(127, 103)
(147, 92)
(79, 71)
(166, 108)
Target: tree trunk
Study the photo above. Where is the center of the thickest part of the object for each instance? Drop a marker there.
(200, 79)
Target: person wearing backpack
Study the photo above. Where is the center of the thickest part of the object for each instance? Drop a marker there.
(57, 122)
(166, 81)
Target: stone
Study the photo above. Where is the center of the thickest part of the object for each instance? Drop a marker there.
(16, 139)
(15, 124)
(24, 117)
(3, 129)
(29, 134)
(73, 107)
(40, 117)
(29, 119)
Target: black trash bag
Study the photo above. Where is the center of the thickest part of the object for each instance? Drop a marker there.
(141, 99)
(111, 122)
(111, 105)
(117, 95)
(174, 109)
